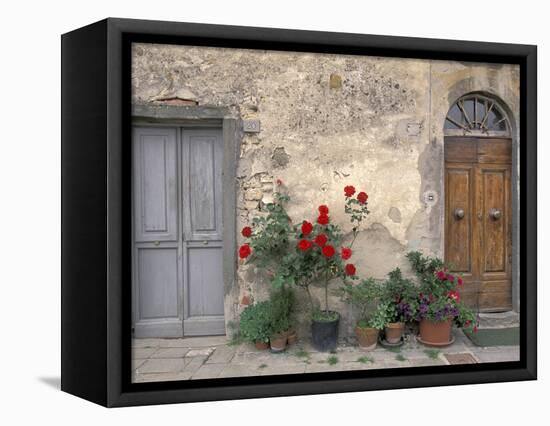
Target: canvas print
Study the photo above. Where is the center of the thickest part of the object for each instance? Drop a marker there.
(295, 212)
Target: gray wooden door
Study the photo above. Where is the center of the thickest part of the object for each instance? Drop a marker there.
(177, 256)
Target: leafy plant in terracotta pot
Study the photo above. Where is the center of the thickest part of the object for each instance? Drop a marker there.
(255, 324)
(281, 304)
(439, 304)
(400, 299)
(370, 318)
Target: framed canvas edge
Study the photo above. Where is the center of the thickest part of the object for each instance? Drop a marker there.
(119, 31)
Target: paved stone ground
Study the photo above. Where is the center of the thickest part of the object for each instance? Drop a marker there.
(213, 357)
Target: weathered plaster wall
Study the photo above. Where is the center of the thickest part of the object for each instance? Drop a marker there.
(328, 121)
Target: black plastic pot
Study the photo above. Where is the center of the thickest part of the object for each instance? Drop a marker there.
(324, 334)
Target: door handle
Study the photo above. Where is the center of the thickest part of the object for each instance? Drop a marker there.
(459, 213)
(156, 243)
(495, 214)
(205, 242)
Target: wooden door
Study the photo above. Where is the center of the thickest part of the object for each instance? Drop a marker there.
(478, 218)
(177, 230)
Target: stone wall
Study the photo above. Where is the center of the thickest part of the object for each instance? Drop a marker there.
(328, 121)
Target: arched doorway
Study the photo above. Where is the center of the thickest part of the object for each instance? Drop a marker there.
(478, 201)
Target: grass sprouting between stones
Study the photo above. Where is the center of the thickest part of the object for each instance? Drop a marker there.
(301, 353)
(432, 353)
(400, 357)
(262, 366)
(394, 350)
(365, 359)
(332, 360)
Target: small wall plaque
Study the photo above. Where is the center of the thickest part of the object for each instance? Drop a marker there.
(251, 126)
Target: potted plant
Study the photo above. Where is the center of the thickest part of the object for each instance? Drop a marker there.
(255, 324)
(306, 254)
(281, 304)
(267, 242)
(439, 304)
(363, 297)
(399, 297)
(319, 258)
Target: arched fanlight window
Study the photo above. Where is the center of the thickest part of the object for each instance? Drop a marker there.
(476, 115)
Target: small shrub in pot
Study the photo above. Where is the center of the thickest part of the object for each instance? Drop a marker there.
(370, 320)
(400, 300)
(255, 324)
(439, 301)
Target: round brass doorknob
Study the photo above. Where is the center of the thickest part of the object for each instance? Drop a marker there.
(459, 213)
(495, 214)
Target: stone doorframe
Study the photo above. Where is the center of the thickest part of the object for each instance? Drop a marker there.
(206, 116)
(510, 108)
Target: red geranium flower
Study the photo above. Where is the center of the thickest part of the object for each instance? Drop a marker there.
(455, 295)
(307, 228)
(460, 282)
(346, 253)
(304, 245)
(323, 219)
(321, 240)
(441, 275)
(247, 231)
(328, 251)
(349, 191)
(244, 251)
(362, 197)
(279, 182)
(323, 209)
(475, 329)
(350, 269)
(450, 277)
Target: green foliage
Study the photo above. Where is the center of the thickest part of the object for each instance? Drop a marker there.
(332, 360)
(365, 359)
(378, 319)
(324, 316)
(400, 357)
(255, 322)
(362, 296)
(439, 292)
(432, 353)
(301, 353)
(400, 297)
(275, 247)
(262, 366)
(271, 234)
(424, 266)
(282, 304)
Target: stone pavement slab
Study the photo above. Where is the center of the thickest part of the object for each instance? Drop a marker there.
(170, 353)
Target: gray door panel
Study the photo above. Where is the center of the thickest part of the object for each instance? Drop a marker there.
(201, 194)
(155, 184)
(157, 280)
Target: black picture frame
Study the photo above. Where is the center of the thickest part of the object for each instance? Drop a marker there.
(96, 200)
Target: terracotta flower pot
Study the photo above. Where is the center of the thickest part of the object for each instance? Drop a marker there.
(367, 337)
(394, 331)
(261, 346)
(436, 333)
(278, 342)
(292, 337)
